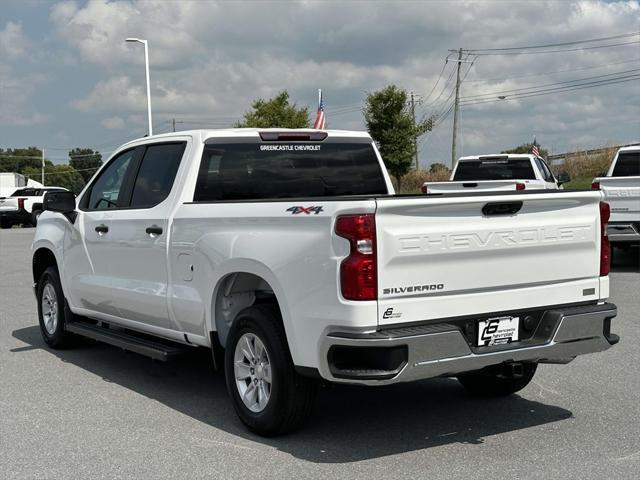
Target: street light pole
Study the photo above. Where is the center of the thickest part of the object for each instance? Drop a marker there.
(146, 66)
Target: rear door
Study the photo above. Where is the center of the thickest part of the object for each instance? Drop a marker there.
(138, 237)
(444, 257)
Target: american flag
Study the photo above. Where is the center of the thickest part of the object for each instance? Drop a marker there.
(320, 120)
(534, 150)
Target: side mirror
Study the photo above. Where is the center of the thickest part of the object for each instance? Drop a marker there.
(563, 178)
(61, 202)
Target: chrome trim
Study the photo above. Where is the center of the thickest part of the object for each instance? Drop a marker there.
(448, 353)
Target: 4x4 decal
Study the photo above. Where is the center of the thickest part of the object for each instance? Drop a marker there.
(305, 210)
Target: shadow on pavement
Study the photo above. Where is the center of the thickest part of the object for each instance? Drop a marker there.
(349, 423)
(625, 259)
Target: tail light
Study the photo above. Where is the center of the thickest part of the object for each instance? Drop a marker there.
(21, 203)
(595, 185)
(520, 186)
(424, 188)
(359, 271)
(605, 246)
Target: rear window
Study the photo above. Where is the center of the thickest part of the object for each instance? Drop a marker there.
(269, 170)
(511, 169)
(26, 192)
(627, 165)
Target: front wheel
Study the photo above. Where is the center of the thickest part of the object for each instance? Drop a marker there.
(51, 312)
(267, 393)
(498, 381)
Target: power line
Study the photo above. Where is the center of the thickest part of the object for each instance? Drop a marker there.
(486, 80)
(575, 42)
(568, 88)
(635, 42)
(548, 84)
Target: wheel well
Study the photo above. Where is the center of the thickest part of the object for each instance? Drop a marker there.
(236, 292)
(43, 258)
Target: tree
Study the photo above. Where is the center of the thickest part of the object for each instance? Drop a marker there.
(276, 112)
(86, 161)
(434, 167)
(17, 159)
(58, 176)
(526, 148)
(390, 123)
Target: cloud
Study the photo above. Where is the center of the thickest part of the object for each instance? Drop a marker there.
(13, 43)
(113, 123)
(210, 60)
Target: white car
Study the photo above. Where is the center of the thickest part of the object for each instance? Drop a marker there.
(498, 173)
(24, 206)
(621, 187)
(287, 253)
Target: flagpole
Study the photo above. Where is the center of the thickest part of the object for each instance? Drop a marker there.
(319, 97)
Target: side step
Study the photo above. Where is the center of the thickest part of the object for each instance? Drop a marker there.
(127, 341)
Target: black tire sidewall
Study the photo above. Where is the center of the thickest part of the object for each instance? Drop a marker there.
(60, 336)
(259, 322)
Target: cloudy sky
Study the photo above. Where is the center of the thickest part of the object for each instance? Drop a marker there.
(68, 79)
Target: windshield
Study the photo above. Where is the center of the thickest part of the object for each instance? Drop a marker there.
(505, 169)
(627, 165)
(267, 170)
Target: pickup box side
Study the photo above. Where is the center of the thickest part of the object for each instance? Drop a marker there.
(622, 192)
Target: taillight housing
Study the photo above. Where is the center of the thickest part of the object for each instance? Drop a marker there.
(21, 203)
(520, 186)
(595, 185)
(424, 188)
(359, 271)
(605, 246)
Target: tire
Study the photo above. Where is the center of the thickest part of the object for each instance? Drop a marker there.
(4, 225)
(34, 217)
(51, 310)
(289, 398)
(492, 382)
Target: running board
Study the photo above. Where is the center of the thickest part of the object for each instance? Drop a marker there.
(127, 341)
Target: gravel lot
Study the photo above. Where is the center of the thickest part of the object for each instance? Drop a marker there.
(98, 412)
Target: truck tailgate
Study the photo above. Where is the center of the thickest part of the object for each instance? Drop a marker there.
(623, 195)
(442, 257)
(479, 186)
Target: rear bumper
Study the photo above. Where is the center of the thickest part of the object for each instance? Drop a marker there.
(441, 349)
(14, 216)
(623, 231)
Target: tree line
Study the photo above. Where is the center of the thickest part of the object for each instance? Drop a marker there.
(387, 114)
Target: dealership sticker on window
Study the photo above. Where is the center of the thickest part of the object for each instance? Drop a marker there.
(291, 148)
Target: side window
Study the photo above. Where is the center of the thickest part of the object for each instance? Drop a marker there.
(156, 174)
(106, 189)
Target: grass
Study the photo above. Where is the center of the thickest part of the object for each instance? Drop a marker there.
(579, 183)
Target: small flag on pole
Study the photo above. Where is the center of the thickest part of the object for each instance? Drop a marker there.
(320, 120)
(534, 148)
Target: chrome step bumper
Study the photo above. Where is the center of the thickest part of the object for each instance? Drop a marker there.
(442, 350)
(623, 232)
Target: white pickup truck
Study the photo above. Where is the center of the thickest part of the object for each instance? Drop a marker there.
(24, 206)
(621, 187)
(287, 253)
(498, 173)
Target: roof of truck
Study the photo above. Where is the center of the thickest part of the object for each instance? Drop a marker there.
(498, 156)
(248, 132)
(631, 148)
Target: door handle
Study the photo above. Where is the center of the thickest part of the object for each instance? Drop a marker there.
(154, 230)
(102, 229)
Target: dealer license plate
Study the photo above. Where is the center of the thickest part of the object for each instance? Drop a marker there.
(498, 331)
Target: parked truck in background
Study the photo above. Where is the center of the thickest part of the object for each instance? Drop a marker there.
(498, 173)
(621, 187)
(24, 206)
(288, 254)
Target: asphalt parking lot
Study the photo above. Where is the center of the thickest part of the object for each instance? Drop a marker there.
(98, 412)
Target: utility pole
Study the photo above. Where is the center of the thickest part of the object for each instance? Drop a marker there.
(455, 112)
(42, 166)
(415, 135)
(173, 122)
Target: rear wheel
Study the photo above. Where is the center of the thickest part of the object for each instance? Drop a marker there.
(51, 311)
(267, 393)
(498, 381)
(35, 215)
(4, 224)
